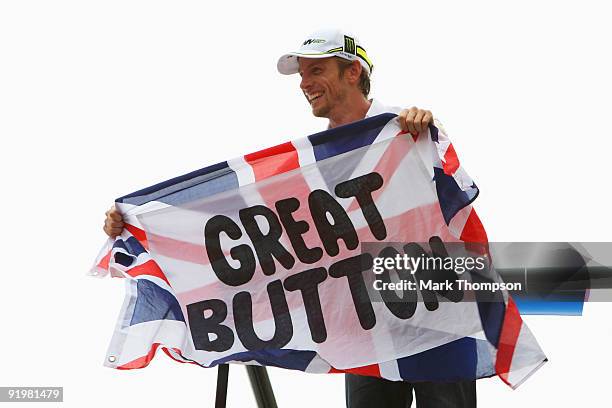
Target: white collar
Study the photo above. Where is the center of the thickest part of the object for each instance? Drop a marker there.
(376, 108)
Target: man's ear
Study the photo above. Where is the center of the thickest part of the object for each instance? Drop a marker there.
(354, 71)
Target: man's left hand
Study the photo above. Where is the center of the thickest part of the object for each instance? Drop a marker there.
(415, 120)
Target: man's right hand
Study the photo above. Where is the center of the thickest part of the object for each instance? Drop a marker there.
(113, 225)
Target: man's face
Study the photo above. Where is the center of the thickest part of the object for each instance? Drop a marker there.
(322, 85)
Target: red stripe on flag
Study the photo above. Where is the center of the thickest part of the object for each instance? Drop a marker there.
(451, 161)
(370, 370)
(140, 362)
(148, 268)
(104, 261)
(507, 340)
(273, 161)
(183, 250)
(473, 230)
(139, 234)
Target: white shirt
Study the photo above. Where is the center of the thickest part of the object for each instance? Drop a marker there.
(376, 108)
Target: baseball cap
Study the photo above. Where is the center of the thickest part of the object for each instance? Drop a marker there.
(325, 44)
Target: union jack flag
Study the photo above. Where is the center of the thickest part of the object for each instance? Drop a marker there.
(264, 320)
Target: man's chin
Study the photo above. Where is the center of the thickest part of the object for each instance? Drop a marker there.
(320, 112)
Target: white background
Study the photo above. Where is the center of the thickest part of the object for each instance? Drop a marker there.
(98, 99)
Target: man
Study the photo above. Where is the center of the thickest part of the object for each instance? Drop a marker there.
(335, 72)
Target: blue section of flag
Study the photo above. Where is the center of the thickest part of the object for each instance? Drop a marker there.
(130, 245)
(452, 199)
(133, 249)
(191, 186)
(454, 361)
(283, 358)
(349, 137)
(154, 303)
(433, 131)
(492, 318)
(119, 243)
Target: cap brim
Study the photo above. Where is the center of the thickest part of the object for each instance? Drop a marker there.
(288, 63)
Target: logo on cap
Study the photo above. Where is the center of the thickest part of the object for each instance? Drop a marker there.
(349, 45)
(313, 41)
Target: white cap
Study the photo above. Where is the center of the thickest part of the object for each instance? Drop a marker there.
(325, 44)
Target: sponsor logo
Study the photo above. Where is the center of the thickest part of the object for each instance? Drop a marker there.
(349, 45)
(313, 41)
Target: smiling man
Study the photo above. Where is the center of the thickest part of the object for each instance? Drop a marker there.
(335, 71)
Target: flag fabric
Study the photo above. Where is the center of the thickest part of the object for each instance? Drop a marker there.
(257, 260)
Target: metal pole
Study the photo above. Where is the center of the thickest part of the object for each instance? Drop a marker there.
(222, 377)
(260, 382)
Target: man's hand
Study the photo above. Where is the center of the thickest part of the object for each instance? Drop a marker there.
(113, 225)
(415, 120)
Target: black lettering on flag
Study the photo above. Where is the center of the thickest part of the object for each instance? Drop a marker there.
(295, 230)
(243, 253)
(321, 203)
(353, 269)
(267, 246)
(307, 282)
(243, 319)
(361, 188)
(201, 327)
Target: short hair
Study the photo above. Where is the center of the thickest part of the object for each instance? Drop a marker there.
(364, 78)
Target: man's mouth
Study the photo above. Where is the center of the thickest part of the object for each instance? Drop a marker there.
(314, 96)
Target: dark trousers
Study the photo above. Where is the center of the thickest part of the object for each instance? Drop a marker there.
(372, 392)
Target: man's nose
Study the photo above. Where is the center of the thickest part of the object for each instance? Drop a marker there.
(305, 83)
